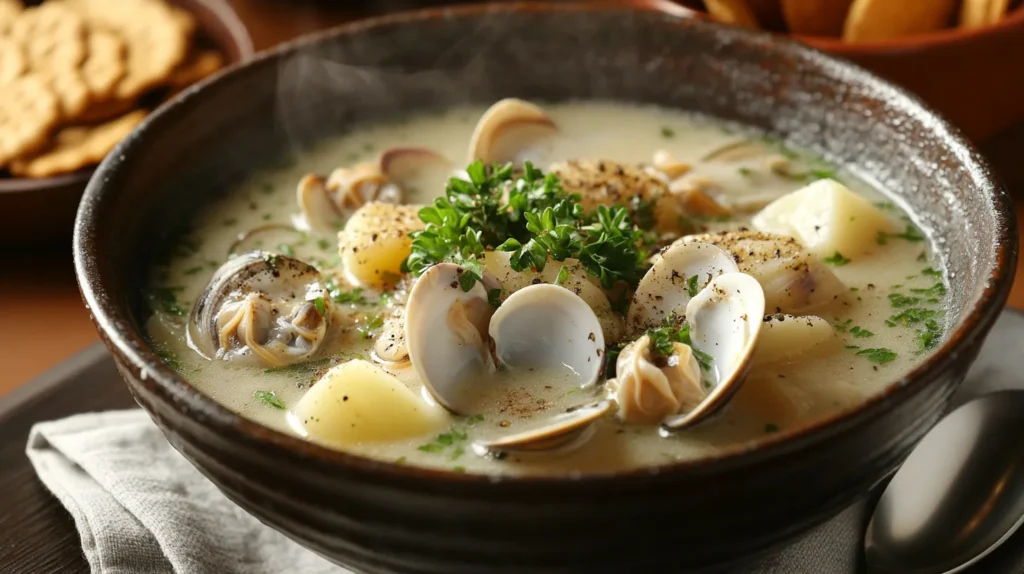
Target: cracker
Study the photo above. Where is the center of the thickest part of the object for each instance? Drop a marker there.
(104, 66)
(154, 38)
(9, 10)
(77, 147)
(735, 12)
(877, 20)
(28, 110)
(12, 61)
(816, 17)
(201, 63)
(106, 110)
(70, 88)
(185, 21)
(51, 35)
(978, 13)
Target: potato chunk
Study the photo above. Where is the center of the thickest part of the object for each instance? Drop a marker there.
(358, 402)
(826, 218)
(786, 338)
(376, 240)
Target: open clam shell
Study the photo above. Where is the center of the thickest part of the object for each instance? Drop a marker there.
(507, 129)
(446, 334)
(725, 320)
(681, 271)
(263, 305)
(564, 430)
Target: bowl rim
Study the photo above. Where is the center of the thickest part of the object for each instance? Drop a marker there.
(242, 41)
(950, 36)
(114, 323)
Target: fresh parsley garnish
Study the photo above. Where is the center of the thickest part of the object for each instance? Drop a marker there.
(494, 297)
(165, 300)
(861, 333)
(691, 286)
(563, 276)
(910, 233)
(269, 398)
(837, 260)
(339, 295)
(931, 272)
(455, 437)
(937, 290)
(371, 323)
(899, 300)
(879, 356)
(664, 337)
(538, 221)
(667, 132)
(321, 306)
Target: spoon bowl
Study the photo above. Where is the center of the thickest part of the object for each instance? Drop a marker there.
(958, 496)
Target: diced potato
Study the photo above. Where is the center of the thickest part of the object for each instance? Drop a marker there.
(785, 338)
(826, 218)
(358, 402)
(376, 240)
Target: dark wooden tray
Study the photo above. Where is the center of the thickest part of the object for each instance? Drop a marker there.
(38, 536)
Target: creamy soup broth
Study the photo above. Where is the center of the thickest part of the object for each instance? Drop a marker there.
(877, 345)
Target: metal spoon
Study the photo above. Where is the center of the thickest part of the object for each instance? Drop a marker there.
(958, 496)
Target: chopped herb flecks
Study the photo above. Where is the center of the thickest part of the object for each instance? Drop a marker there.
(691, 286)
(269, 398)
(667, 132)
(861, 333)
(165, 300)
(879, 356)
(837, 260)
(539, 221)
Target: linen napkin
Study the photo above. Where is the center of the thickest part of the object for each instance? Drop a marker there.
(141, 508)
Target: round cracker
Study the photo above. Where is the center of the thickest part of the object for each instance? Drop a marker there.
(28, 110)
(77, 147)
(9, 10)
(12, 61)
(70, 88)
(106, 110)
(155, 40)
(51, 35)
(878, 20)
(974, 13)
(816, 17)
(735, 12)
(105, 64)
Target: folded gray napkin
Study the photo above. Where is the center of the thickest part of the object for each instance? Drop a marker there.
(141, 508)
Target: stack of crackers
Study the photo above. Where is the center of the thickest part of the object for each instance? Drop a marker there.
(76, 76)
(860, 20)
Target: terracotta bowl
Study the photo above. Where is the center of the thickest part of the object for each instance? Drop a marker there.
(974, 77)
(376, 516)
(34, 211)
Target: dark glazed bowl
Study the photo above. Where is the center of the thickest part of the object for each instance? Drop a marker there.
(380, 517)
(42, 210)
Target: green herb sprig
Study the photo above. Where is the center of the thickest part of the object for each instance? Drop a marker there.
(532, 217)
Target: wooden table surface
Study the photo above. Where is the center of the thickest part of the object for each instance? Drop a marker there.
(42, 320)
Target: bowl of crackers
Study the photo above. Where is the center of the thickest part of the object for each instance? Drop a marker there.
(76, 77)
(960, 56)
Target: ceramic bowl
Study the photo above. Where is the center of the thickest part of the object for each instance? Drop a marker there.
(375, 516)
(971, 76)
(34, 211)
